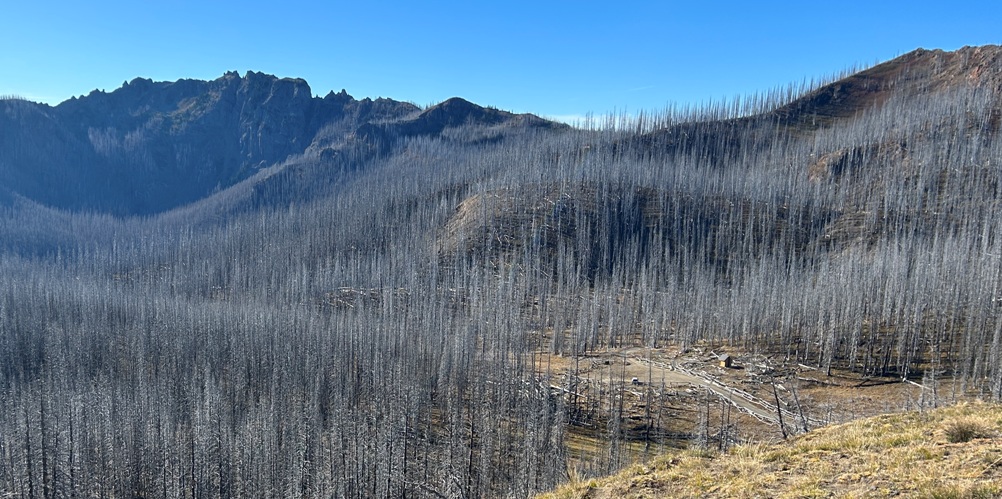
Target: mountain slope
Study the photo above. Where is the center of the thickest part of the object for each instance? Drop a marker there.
(919, 72)
(948, 452)
(912, 77)
(151, 146)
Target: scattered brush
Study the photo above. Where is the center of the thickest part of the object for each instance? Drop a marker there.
(946, 453)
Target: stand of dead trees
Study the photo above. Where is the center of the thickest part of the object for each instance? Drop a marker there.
(371, 339)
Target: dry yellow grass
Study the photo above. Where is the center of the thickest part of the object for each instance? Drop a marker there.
(953, 452)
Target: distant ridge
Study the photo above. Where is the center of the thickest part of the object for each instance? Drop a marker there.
(151, 146)
(148, 146)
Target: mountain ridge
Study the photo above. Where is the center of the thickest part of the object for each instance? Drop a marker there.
(150, 146)
(918, 71)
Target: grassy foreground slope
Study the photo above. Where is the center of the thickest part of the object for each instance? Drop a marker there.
(948, 452)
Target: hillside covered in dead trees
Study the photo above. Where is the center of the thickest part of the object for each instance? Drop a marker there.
(233, 288)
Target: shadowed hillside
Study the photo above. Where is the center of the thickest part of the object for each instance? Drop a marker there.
(150, 146)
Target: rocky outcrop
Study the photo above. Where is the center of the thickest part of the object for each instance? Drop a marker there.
(173, 143)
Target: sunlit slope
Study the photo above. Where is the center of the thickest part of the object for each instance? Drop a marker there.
(948, 452)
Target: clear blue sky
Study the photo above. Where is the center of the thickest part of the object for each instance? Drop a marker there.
(555, 58)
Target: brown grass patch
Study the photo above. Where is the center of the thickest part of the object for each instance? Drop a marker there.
(909, 455)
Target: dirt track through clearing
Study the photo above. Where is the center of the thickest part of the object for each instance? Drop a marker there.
(628, 364)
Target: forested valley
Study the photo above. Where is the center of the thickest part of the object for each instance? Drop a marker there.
(233, 288)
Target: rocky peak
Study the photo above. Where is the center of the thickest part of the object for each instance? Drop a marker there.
(274, 115)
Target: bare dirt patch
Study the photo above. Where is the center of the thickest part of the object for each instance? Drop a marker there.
(667, 397)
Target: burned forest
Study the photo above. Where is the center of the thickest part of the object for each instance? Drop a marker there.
(234, 288)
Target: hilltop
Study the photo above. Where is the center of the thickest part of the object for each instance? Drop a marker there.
(916, 73)
(946, 452)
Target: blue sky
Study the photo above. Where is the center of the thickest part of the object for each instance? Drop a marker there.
(554, 58)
